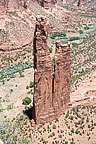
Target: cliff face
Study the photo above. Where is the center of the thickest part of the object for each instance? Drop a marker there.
(16, 35)
(62, 77)
(47, 4)
(13, 3)
(43, 77)
(52, 77)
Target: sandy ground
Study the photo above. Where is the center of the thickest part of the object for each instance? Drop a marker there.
(12, 93)
(85, 85)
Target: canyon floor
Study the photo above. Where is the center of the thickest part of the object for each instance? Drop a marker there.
(77, 125)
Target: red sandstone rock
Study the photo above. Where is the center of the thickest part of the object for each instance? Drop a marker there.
(43, 76)
(52, 88)
(47, 4)
(13, 4)
(79, 3)
(62, 76)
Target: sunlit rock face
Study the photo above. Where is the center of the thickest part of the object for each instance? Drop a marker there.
(52, 76)
(13, 4)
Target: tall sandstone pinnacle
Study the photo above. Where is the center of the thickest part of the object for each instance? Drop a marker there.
(51, 78)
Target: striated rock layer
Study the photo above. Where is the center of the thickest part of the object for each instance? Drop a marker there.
(52, 77)
(13, 4)
(62, 77)
(43, 76)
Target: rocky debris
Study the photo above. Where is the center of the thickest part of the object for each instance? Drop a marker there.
(52, 77)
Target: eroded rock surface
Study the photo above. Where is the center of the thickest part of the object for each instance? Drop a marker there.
(52, 77)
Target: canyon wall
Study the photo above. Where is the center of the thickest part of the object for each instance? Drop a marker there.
(62, 73)
(47, 4)
(13, 4)
(52, 76)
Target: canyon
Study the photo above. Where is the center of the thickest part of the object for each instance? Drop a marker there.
(48, 71)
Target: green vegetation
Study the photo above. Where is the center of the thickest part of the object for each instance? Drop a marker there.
(67, 114)
(74, 38)
(14, 69)
(77, 131)
(86, 28)
(26, 101)
(11, 91)
(31, 84)
(1, 110)
(10, 107)
(79, 69)
(72, 130)
(74, 44)
(50, 49)
(51, 135)
(81, 31)
(62, 34)
(54, 126)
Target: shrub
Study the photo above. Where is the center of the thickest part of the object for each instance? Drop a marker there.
(27, 87)
(74, 38)
(26, 101)
(51, 135)
(72, 130)
(31, 84)
(11, 90)
(1, 110)
(94, 124)
(57, 120)
(80, 31)
(67, 114)
(10, 107)
(62, 34)
(88, 126)
(54, 126)
(60, 136)
(77, 131)
(86, 28)
(50, 49)
(74, 44)
(79, 25)
(87, 120)
(71, 117)
(72, 142)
